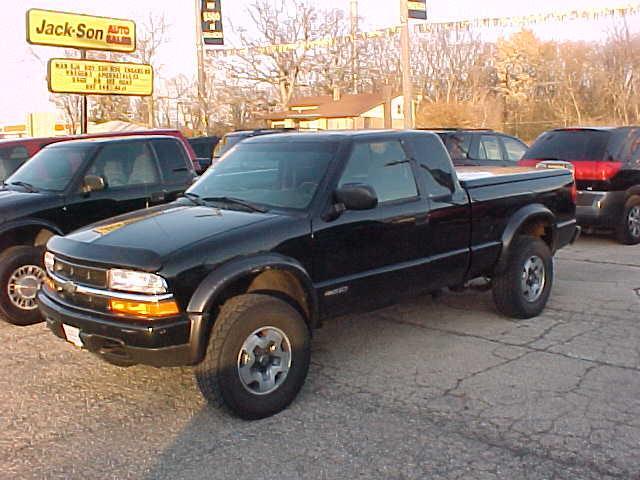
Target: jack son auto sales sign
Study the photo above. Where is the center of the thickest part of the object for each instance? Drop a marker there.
(60, 29)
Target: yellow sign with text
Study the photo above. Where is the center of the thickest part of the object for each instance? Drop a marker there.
(60, 29)
(92, 77)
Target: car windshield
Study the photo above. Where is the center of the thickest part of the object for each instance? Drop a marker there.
(51, 168)
(280, 175)
(225, 144)
(570, 145)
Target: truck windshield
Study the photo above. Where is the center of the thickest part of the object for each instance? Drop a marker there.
(51, 169)
(570, 145)
(280, 175)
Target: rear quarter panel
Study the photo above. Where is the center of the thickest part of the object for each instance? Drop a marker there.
(493, 206)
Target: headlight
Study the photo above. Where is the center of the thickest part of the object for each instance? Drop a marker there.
(49, 261)
(138, 282)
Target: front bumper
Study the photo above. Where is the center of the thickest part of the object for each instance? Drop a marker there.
(162, 343)
(599, 209)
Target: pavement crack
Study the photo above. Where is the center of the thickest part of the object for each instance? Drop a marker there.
(386, 318)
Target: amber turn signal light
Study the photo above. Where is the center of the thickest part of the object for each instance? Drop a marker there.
(144, 309)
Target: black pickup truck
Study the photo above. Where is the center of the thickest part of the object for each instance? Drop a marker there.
(71, 184)
(288, 230)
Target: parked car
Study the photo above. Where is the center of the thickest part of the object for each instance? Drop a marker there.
(232, 138)
(481, 147)
(203, 146)
(288, 230)
(71, 184)
(13, 153)
(606, 163)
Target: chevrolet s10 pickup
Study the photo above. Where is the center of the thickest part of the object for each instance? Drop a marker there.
(288, 230)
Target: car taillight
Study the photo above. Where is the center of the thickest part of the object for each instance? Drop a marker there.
(596, 170)
(574, 192)
(608, 170)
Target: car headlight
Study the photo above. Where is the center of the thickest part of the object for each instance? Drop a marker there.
(138, 282)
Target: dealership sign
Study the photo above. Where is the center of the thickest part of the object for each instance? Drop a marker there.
(92, 77)
(59, 29)
(417, 9)
(211, 20)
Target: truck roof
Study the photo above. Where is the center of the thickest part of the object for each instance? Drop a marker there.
(330, 135)
(98, 140)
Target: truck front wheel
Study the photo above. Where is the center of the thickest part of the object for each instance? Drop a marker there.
(521, 289)
(257, 357)
(21, 275)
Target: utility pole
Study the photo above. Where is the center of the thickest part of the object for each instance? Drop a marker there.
(405, 58)
(354, 46)
(84, 110)
(201, 73)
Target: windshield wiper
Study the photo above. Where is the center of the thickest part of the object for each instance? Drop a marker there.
(237, 201)
(27, 186)
(195, 198)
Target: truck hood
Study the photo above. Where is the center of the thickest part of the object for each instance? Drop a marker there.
(145, 238)
(14, 203)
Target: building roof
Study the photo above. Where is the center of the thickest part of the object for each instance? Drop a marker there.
(347, 106)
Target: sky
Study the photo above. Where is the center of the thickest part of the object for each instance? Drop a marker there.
(23, 83)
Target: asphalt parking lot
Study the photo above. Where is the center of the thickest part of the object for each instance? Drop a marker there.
(430, 388)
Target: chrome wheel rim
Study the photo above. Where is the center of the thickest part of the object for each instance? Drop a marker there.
(534, 278)
(264, 360)
(23, 286)
(633, 221)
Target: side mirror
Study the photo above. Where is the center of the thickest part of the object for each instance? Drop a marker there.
(93, 183)
(356, 196)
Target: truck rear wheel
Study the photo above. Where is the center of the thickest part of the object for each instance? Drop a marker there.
(257, 357)
(522, 288)
(21, 275)
(628, 230)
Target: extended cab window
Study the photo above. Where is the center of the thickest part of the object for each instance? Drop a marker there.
(123, 164)
(172, 160)
(385, 167)
(436, 165)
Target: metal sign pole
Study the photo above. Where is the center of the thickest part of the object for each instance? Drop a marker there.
(406, 65)
(84, 110)
(201, 71)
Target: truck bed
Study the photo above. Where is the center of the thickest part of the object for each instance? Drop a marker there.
(475, 177)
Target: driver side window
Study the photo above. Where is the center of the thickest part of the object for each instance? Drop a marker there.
(125, 164)
(385, 167)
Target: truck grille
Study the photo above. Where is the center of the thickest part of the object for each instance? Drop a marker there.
(80, 274)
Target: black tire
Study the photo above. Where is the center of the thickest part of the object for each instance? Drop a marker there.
(10, 261)
(218, 374)
(509, 294)
(625, 231)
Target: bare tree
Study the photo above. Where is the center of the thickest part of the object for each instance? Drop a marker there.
(286, 22)
(154, 33)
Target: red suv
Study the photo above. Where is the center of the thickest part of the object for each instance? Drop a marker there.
(606, 162)
(13, 153)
